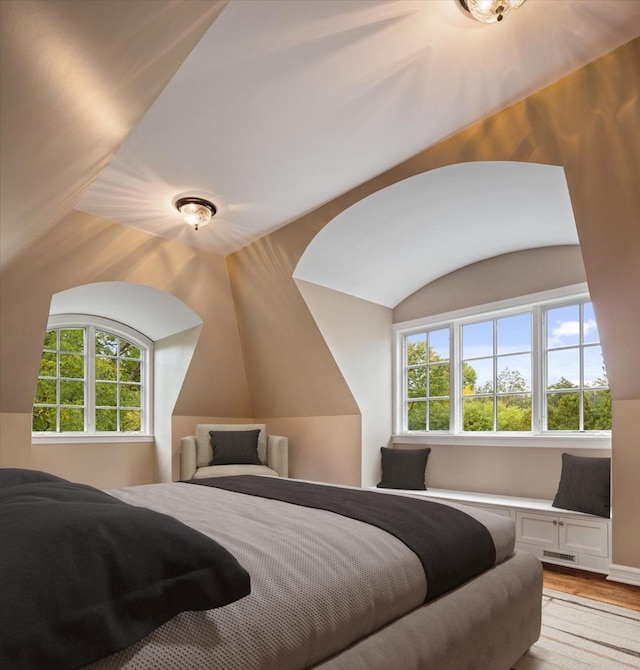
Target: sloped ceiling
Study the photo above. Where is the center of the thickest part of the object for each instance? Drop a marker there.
(269, 107)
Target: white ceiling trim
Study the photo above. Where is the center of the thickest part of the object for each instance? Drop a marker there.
(388, 245)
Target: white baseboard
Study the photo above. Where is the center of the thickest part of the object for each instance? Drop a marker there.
(624, 574)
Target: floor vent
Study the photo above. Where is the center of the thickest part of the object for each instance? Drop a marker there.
(556, 554)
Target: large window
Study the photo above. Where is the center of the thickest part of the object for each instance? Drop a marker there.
(531, 369)
(94, 378)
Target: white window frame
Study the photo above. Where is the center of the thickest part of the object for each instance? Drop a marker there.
(536, 303)
(91, 324)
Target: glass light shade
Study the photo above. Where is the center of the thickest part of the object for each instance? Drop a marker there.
(490, 11)
(196, 211)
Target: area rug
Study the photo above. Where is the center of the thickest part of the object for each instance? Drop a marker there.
(582, 634)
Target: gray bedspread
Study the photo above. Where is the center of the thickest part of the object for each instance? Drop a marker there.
(320, 582)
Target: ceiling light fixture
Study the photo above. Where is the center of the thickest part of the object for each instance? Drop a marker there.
(196, 211)
(490, 11)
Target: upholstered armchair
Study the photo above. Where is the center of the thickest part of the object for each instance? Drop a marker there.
(197, 459)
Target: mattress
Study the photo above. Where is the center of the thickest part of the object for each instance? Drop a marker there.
(321, 583)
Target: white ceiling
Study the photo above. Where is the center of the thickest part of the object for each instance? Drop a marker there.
(270, 107)
(393, 242)
(284, 105)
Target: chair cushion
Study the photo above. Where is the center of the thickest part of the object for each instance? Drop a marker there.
(231, 470)
(204, 451)
(235, 447)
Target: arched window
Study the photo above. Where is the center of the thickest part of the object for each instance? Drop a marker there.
(94, 379)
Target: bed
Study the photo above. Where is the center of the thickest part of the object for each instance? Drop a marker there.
(326, 591)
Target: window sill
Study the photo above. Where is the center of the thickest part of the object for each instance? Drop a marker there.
(512, 440)
(83, 438)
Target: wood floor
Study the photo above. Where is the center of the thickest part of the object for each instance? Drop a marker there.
(591, 585)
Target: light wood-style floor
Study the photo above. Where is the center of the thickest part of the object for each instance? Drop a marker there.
(591, 585)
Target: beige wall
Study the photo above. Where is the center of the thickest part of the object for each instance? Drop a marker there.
(102, 465)
(320, 447)
(512, 471)
(507, 276)
(625, 488)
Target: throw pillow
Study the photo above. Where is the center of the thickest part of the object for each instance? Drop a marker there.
(585, 485)
(404, 468)
(235, 447)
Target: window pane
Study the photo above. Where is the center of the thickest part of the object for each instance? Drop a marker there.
(72, 339)
(563, 326)
(438, 415)
(477, 340)
(106, 395)
(563, 369)
(563, 411)
(514, 373)
(416, 348)
(594, 373)
(106, 419)
(44, 419)
(439, 380)
(417, 382)
(51, 339)
(514, 334)
(597, 410)
(514, 412)
(48, 364)
(46, 392)
(477, 414)
(130, 420)
(106, 344)
(589, 327)
(71, 393)
(417, 415)
(129, 395)
(71, 419)
(129, 350)
(72, 366)
(481, 374)
(129, 371)
(106, 368)
(439, 344)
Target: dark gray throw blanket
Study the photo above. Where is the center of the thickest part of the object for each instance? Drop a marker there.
(452, 546)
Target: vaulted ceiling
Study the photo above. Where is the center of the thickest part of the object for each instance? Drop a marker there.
(270, 108)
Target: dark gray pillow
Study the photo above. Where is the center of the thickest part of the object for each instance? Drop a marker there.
(235, 447)
(585, 485)
(404, 468)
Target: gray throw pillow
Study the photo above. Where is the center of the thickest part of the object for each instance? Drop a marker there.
(235, 447)
(404, 468)
(585, 485)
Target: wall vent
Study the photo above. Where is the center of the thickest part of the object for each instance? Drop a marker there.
(556, 554)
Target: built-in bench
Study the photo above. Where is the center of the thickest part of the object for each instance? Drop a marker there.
(553, 535)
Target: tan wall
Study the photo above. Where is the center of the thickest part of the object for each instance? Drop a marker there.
(15, 440)
(587, 123)
(625, 492)
(507, 276)
(82, 249)
(101, 465)
(510, 471)
(320, 447)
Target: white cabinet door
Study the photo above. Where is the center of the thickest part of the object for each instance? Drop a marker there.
(539, 529)
(583, 536)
